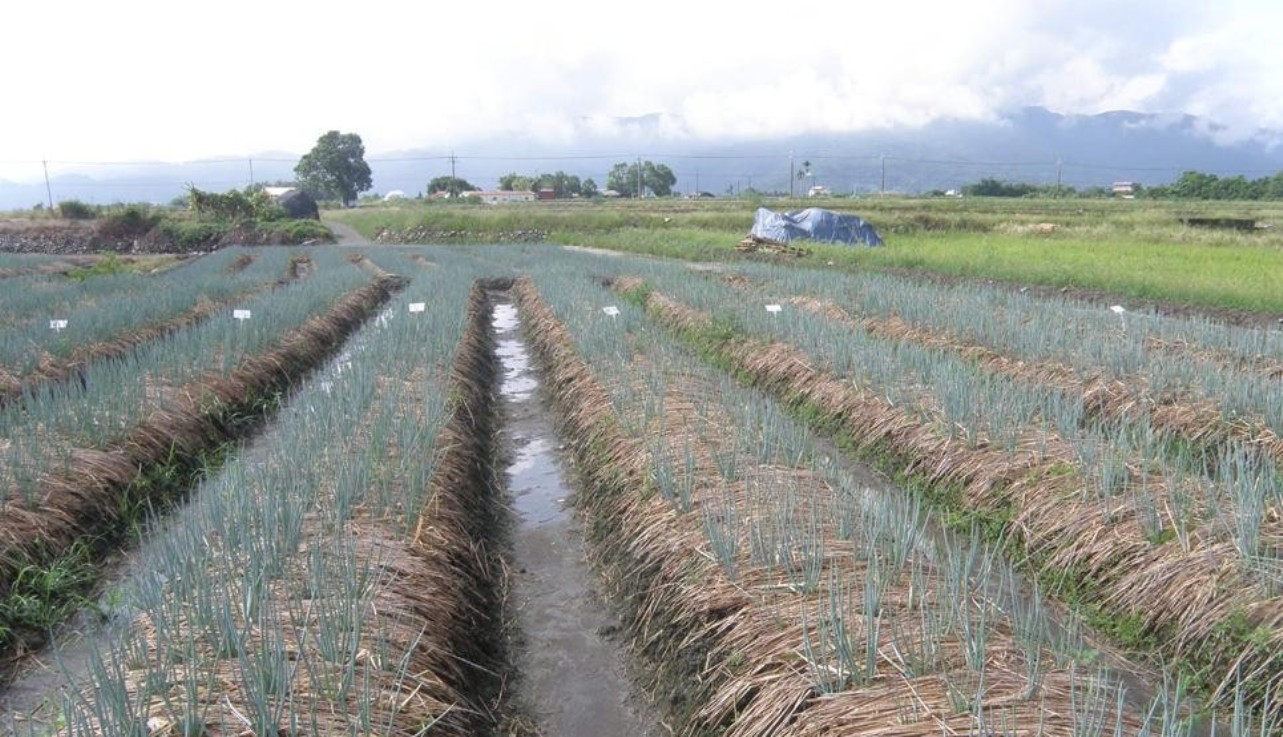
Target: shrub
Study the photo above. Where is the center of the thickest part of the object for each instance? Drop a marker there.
(192, 234)
(130, 222)
(76, 210)
(290, 232)
(234, 205)
(109, 264)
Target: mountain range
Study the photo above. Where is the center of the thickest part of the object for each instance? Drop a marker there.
(1028, 145)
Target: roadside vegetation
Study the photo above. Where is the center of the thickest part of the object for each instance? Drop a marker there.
(201, 221)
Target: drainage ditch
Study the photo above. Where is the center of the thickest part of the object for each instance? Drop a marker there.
(572, 680)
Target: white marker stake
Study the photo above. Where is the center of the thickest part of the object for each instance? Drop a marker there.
(57, 325)
(1120, 311)
(241, 314)
(773, 308)
(418, 306)
(612, 310)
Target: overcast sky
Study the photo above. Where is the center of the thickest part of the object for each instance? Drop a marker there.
(96, 80)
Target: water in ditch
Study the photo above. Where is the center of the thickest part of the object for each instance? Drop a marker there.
(572, 676)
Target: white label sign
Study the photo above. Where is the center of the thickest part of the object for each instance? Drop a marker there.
(418, 306)
(57, 325)
(773, 308)
(612, 310)
(241, 314)
(1118, 309)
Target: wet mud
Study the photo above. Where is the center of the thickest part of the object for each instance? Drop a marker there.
(572, 677)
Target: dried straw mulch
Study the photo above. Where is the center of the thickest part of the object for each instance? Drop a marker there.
(726, 651)
(1185, 597)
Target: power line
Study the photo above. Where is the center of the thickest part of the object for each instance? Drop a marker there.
(1049, 163)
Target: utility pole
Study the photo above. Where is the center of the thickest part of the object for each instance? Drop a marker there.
(639, 179)
(251, 172)
(790, 175)
(884, 174)
(697, 182)
(1059, 166)
(48, 189)
(452, 167)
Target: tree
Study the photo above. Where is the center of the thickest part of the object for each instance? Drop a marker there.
(514, 182)
(335, 168)
(588, 188)
(561, 183)
(990, 187)
(453, 186)
(658, 178)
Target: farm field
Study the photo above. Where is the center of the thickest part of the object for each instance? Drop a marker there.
(881, 506)
(1137, 249)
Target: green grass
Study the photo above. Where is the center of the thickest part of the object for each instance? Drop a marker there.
(1136, 249)
(295, 231)
(1234, 275)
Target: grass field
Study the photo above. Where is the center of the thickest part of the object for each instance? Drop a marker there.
(1137, 249)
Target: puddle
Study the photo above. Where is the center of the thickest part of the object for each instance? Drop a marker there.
(572, 677)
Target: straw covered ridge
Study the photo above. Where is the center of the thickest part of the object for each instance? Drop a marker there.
(1269, 367)
(1189, 594)
(365, 264)
(83, 499)
(1199, 421)
(380, 622)
(747, 596)
(50, 370)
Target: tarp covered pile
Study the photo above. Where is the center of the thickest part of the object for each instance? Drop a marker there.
(815, 224)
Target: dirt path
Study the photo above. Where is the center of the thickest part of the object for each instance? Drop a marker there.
(346, 235)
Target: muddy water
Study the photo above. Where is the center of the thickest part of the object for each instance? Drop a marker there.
(572, 677)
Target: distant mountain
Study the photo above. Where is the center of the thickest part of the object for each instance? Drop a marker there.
(1030, 145)
(148, 182)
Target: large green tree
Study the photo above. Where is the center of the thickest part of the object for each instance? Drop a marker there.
(561, 183)
(514, 182)
(335, 168)
(454, 186)
(624, 179)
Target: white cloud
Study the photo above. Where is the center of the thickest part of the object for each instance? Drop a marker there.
(1232, 74)
(143, 79)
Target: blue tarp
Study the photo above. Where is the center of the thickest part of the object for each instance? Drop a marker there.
(813, 223)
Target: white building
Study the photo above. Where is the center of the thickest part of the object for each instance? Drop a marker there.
(501, 196)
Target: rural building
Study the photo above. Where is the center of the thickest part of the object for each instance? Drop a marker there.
(1125, 190)
(547, 193)
(501, 196)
